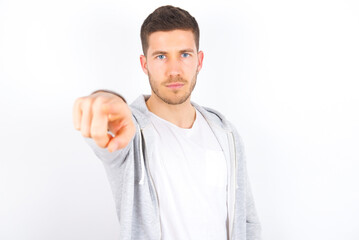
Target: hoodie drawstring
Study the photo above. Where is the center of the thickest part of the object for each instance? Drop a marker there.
(142, 162)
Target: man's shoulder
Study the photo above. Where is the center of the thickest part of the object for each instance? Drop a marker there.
(214, 116)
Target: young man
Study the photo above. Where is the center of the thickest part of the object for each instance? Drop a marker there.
(176, 169)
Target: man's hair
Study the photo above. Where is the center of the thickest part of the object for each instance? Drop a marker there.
(168, 18)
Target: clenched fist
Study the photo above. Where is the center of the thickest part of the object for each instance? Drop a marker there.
(101, 112)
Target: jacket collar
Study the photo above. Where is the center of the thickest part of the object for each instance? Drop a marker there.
(214, 118)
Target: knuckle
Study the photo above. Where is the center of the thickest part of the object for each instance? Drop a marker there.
(86, 103)
(100, 100)
(100, 144)
(119, 101)
(99, 139)
(85, 133)
(98, 105)
(78, 101)
(97, 134)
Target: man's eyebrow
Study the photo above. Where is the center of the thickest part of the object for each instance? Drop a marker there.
(187, 50)
(160, 52)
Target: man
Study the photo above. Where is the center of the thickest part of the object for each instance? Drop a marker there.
(176, 169)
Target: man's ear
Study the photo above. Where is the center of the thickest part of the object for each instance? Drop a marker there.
(143, 61)
(200, 61)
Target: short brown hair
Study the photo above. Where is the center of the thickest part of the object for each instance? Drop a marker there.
(168, 18)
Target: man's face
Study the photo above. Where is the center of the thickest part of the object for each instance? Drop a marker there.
(172, 65)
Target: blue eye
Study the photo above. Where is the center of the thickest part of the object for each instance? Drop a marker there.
(185, 55)
(161, 57)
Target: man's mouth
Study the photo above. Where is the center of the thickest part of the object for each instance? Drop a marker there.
(175, 85)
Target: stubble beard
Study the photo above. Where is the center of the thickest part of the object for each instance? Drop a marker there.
(174, 101)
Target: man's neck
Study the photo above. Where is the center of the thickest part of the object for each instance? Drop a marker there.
(182, 115)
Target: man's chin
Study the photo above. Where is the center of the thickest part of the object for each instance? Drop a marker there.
(174, 100)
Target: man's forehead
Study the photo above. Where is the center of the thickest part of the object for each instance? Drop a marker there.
(174, 39)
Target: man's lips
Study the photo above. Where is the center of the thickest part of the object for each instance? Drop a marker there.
(175, 85)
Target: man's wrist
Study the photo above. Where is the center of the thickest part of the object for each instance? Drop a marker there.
(109, 91)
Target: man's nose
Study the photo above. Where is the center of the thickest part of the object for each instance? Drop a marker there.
(174, 68)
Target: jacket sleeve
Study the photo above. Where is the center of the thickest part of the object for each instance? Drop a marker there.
(109, 158)
(253, 226)
(120, 170)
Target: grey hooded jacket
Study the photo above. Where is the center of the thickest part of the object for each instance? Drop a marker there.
(134, 191)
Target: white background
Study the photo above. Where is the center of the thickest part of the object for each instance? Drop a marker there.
(284, 72)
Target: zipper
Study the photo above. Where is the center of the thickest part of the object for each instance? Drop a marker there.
(233, 176)
(153, 188)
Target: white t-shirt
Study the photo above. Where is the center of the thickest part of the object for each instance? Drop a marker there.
(189, 171)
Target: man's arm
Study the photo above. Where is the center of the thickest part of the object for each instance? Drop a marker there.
(253, 226)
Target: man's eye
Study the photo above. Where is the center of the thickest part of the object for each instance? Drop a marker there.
(185, 55)
(161, 57)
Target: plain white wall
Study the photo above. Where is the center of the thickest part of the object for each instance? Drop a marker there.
(284, 72)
